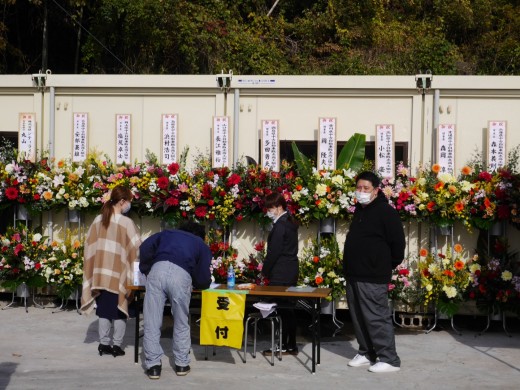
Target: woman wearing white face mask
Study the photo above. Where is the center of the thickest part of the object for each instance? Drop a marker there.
(281, 263)
(374, 245)
(111, 247)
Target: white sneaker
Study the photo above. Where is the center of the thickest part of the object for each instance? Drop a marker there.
(358, 361)
(383, 367)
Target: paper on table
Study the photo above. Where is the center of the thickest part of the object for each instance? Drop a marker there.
(139, 278)
(214, 285)
(301, 289)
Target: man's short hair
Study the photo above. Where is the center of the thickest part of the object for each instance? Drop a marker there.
(193, 228)
(369, 176)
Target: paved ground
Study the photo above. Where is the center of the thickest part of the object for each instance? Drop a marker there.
(45, 350)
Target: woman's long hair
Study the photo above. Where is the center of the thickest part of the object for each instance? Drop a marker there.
(118, 193)
(276, 199)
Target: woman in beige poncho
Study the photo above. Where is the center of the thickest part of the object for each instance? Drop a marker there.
(111, 247)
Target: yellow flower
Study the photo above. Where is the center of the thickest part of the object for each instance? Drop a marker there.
(507, 275)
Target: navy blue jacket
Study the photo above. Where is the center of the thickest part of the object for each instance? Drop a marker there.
(181, 248)
(375, 243)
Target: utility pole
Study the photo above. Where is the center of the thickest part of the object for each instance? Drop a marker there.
(44, 38)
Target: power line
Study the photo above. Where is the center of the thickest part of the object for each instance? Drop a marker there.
(93, 36)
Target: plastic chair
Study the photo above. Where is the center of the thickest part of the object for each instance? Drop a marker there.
(255, 317)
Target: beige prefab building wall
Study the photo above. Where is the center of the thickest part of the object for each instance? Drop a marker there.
(358, 103)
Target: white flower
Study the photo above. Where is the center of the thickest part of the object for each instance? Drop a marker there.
(349, 173)
(321, 189)
(466, 186)
(338, 180)
(83, 202)
(451, 292)
(37, 237)
(446, 177)
(333, 209)
(296, 195)
(58, 180)
(9, 168)
(79, 171)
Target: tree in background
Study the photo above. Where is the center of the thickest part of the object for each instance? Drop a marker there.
(358, 37)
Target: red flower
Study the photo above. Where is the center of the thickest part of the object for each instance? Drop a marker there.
(233, 180)
(172, 201)
(11, 193)
(213, 247)
(162, 182)
(36, 196)
(449, 273)
(485, 176)
(260, 246)
(17, 249)
(173, 168)
(318, 280)
(206, 191)
(316, 259)
(37, 266)
(404, 272)
(211, 202)
(239, 217)
(200, 212)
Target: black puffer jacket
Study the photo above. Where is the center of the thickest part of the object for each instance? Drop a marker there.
(375, 243)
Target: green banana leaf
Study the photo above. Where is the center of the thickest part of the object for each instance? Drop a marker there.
(303, 164)
(353, 153)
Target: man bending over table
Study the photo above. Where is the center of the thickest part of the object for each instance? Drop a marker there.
(173, 261)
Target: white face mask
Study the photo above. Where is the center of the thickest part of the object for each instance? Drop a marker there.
(271, 215)
(363, 197)
(126, 208)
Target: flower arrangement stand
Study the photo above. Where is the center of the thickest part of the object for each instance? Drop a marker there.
(22, 291)
(406, 316)
(490, 316)
(75, 296)
(329, 307)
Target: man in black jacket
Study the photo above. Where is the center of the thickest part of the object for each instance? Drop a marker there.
(374, 246)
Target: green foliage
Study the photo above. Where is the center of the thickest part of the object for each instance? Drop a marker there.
(303, 164)
(352, 154)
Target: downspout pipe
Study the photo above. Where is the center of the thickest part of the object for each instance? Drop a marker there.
(436, 104)
(52, 124)
(52, 121)
(236, 113)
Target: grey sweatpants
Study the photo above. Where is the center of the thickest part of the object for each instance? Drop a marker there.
(372, 321)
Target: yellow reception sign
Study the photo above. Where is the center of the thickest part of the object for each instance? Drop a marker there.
(222, 320)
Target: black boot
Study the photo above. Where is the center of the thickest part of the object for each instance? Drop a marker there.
(117, 351)
(105, 350)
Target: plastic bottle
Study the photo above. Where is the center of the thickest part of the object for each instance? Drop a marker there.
(231, 277)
